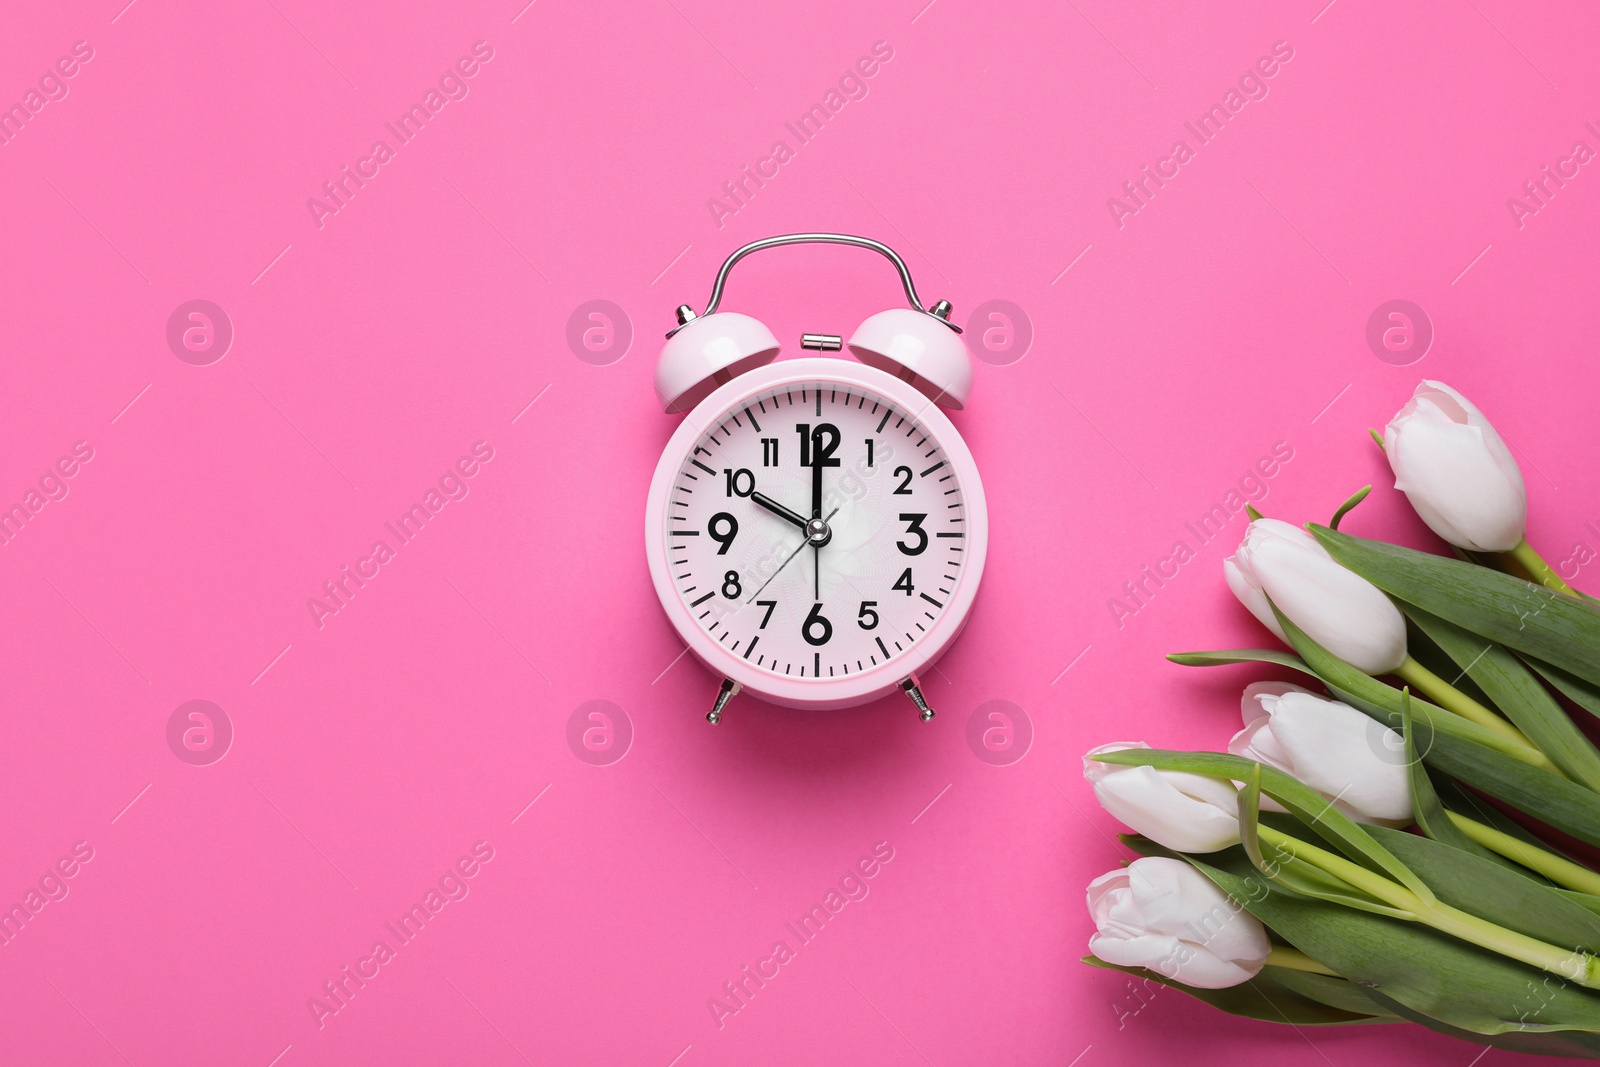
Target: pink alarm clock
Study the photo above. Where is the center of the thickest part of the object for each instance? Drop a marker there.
(816, 528)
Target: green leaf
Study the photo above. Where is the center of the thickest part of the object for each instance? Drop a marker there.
(1287, 869)
(1458, 798)
(1430, 973)
(1343, 678)
(1344, 509)
(1267, 998)
(1461, 749)
(1499, 894)
(1577, 690)
(1588, 901)
(1552, 800)
(1544, 624)
(1426, 806)
(1309, 806)
(1517, 693)
(1338, 993)
(1576, 1044)
(1240, 655)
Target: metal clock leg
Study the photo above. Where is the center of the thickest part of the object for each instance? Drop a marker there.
(912, 690)
(729, 690)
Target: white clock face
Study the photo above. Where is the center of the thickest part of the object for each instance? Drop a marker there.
(891, 556)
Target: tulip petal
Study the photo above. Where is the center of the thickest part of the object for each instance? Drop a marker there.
(1251, 596)
(1256, 742)
(1250, 705)
(1456, 482)
(1336, 607)
(1185, 812)
(1172, 958)
(1196, 910)
(1159, 952)
(1442, 395)
(1163, 915)
(1101, 894)
(1342, 753)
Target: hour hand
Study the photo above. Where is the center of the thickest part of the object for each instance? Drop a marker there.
(779, 510)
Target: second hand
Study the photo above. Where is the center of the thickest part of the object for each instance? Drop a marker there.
(800, 548)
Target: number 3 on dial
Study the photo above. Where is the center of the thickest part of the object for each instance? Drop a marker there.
(913, 528)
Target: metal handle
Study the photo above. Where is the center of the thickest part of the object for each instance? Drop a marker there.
(939, 311)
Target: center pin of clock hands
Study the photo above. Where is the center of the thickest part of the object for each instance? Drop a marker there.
(817, 534)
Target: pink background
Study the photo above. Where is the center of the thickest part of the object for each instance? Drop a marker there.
(369, 354)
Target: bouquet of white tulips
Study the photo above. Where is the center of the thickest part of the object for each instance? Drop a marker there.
(1406, 844)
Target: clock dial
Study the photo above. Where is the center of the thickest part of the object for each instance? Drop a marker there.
(889, 560)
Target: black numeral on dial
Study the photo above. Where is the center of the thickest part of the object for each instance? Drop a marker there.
(816, 629)
(730, 585)
(904, 584)
(914, 528)
(867, 618)
(723, 528)
(740, 482)
(818, 444)
(904, 488)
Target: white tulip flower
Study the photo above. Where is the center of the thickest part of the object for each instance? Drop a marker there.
(1456, 470)
(1337, 608)
(1184, 812)
(1355, 761)
(1162, 914)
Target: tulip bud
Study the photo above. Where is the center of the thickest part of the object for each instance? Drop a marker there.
(1456, 470)
(1163, 914)
(1184, 812)
(1337, 608)
(1355, 761)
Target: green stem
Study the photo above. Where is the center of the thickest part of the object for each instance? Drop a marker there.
(1558, 869)
(1542, 572)
(1295, 960)
(1569, 963)
(1575, 966)
(1450, 698)
(1369, 882)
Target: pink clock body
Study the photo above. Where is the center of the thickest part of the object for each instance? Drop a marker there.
(760, 602)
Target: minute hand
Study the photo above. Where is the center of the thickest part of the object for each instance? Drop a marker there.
(779, 510)
(816, 508)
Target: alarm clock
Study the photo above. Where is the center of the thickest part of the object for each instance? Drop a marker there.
(816, 527)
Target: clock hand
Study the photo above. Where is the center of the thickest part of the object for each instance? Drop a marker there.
(779, 510)
(811, 539)
(816, 508)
